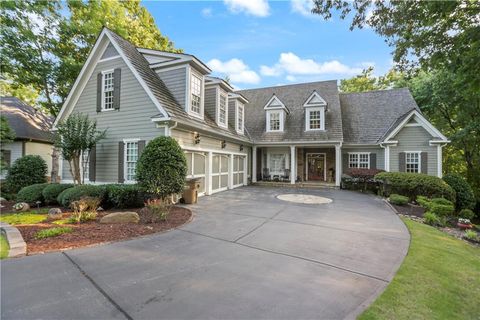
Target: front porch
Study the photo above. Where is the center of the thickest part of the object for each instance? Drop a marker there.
(305, 165)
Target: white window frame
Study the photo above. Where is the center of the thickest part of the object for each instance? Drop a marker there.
(104, 73)
(419, 161)
(358, 162)
(322, 118)
(193, 75)
(224, 94)
(125, 164)
(239, 106)
(239, 159)
(281, 119)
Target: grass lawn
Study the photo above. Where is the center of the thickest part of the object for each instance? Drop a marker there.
(28, 217)
(3, 247)
(439, 279)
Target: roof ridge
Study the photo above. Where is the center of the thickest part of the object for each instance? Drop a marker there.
(288, 85)
(372, 91)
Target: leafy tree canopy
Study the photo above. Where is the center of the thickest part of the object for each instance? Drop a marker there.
(366, 81)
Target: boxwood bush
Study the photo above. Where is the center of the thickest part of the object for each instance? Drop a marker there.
(26, 171)
(398, 199)
(32, 194)
(360, 179)
(51, 192)
(67, 196)
(466, 214)
(439, 206)
(465, 198)
(414, 184)
(124, 196)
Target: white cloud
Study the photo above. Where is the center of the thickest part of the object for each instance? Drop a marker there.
(303, 7)
(235, 69)
(291, 78)
(259, 8)
(291, 64)
(207, 12)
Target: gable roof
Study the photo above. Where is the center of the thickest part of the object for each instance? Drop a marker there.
(315, 100)
(28, 122)
(368, 116)
(275, 103)
(294, 97)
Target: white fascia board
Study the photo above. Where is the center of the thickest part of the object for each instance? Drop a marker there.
(307, 103)
(238, 96)
(280, 106)
(422, 121)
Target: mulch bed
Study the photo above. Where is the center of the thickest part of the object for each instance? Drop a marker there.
(410, 210)
(93, 232)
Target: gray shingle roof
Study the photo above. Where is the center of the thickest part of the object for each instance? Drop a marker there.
(27, 122)
(294, 96)
(368, 116)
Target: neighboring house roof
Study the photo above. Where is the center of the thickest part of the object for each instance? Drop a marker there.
(294, 97)
(28, 122)
(368, 116)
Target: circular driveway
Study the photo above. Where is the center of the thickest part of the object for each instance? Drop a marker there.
(246, 255)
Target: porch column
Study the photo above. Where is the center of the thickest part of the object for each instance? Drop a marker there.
(254, 164)
(292, 164)
(439, 161)
(208, 182)
(230, 171)
(338, 165)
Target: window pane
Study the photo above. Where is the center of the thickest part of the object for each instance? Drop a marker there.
(353, 160)
(222, 116)
(274, 121)
(241, 163)
(224, 164)
(215, 182)
(108, 91)
(131, 149)
(315, 119)
(199, 163)
(412, 162)
(235, 163)
(196, 92)
(216, 164)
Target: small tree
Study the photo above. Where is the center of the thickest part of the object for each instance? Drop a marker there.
(162, 168)
(75, 136)
(6, 135)
(26, 171)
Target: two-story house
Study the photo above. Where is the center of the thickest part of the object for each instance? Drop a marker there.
(301, 132)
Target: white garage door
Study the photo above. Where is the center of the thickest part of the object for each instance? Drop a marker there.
(219, 172)
(238, 170)
(197, 164)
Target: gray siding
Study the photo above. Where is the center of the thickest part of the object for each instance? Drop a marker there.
(377, 150)
(211, 102)
(185, 139)
(231, 113)
(15, 153)
(132, 121)
(414, 139)
(110, 51)
(176, 82)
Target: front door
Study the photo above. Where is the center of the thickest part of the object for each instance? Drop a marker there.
(316, 166)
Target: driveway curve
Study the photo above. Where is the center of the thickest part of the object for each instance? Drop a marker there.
(246, 255)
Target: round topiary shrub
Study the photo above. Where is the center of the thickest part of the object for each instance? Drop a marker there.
(162, 167)
(398, 199)
(67, 196)
(51, 192)
(465, 198)
(26, 171)
(32, 194)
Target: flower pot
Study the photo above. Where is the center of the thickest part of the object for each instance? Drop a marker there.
(464, 226)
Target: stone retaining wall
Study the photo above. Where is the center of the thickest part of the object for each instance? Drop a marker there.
(18, 247)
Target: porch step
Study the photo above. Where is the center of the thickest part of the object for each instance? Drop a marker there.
(312, 185)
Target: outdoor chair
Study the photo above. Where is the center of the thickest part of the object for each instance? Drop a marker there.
(266, 174)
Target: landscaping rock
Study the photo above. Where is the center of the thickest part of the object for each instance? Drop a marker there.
(54, 211)
(120, 217)
(100, 209)
(21, 206)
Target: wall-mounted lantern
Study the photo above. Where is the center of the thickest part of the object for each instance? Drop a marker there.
(224, 144)
(196, 137)
(241, 147)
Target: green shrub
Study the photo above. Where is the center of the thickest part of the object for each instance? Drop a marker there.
(51, 192)
(414, 184)
(162, 167)
(32, 194)
(433, 220)
(471, 235)
(439, 206)
(442, 210)
(26, 171)
(398, 199)
(465, 198)
(442, 201)
(424, 202)
(67, 196)
(124, 196)
(466, 214)
(52, 232)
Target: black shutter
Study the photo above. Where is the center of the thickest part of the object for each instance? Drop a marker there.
(117, 78)
(401, 162)
(99, 91)
(424, 162)
(344, 162)
(373, 161)
(141, 146)
(92, 163)
(121, 160)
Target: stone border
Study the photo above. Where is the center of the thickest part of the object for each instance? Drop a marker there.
(18, 247)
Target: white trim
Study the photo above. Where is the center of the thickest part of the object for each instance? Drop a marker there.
(307, 103)
(102, 104)
(338, 165)
(216, 151)
(322, 118)
(439, 161)
(358, 159)
(254, 164)
(194, 73)
(281, 119)
(125, 169)
(179, 57)
(324, 164)
(413, 125)
(219, 91)
(298, 143)
(423, 122)
(293, 164)
(109, 58)
(280, 106)
(387, 158)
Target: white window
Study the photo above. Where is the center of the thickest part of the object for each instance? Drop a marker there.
(222, 109)
(274, 120)
(196, 94)
(412, 162)
(107, 90)
(85, 165)
(131, 157)
(315, 118)
(277, 163)
(240, 117)
(359, 160)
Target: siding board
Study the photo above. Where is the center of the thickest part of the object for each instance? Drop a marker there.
(176, 81)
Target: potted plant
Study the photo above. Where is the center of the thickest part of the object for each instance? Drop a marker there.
(464, 224)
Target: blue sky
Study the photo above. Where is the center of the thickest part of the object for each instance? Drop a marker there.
(259, 43)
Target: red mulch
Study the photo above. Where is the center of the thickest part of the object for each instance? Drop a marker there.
(93, 232)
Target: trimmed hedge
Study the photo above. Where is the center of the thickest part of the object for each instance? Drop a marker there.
(67, 196)
(51, 192)
(466, 214)
(360, 179)
(26, 171)
(465, 198)
(32, 194)
(124, 196)
(398, 199)
(414, 184)
(439, 206)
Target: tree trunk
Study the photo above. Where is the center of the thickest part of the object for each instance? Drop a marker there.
(55, 158)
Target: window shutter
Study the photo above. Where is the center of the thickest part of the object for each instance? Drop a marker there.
(121, 161)
(141, 146)
(373, 161)
(92, 162)
(99, 91)
(117, 75)
(424, 162)
(344, 162)
(401, 162)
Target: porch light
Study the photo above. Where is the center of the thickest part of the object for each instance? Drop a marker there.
(196, 137)
(224, 144)
(241, 147)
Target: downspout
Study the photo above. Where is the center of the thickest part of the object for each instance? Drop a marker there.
(172, 127)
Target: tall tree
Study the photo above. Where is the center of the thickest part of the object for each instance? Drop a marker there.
(366, 81)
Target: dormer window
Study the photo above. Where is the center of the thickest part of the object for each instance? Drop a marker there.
(196, 94)
(315, 112)
(222, 108)
(275, 114)
(240, 117)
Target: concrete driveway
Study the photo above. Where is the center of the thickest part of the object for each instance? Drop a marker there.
(246, 255)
